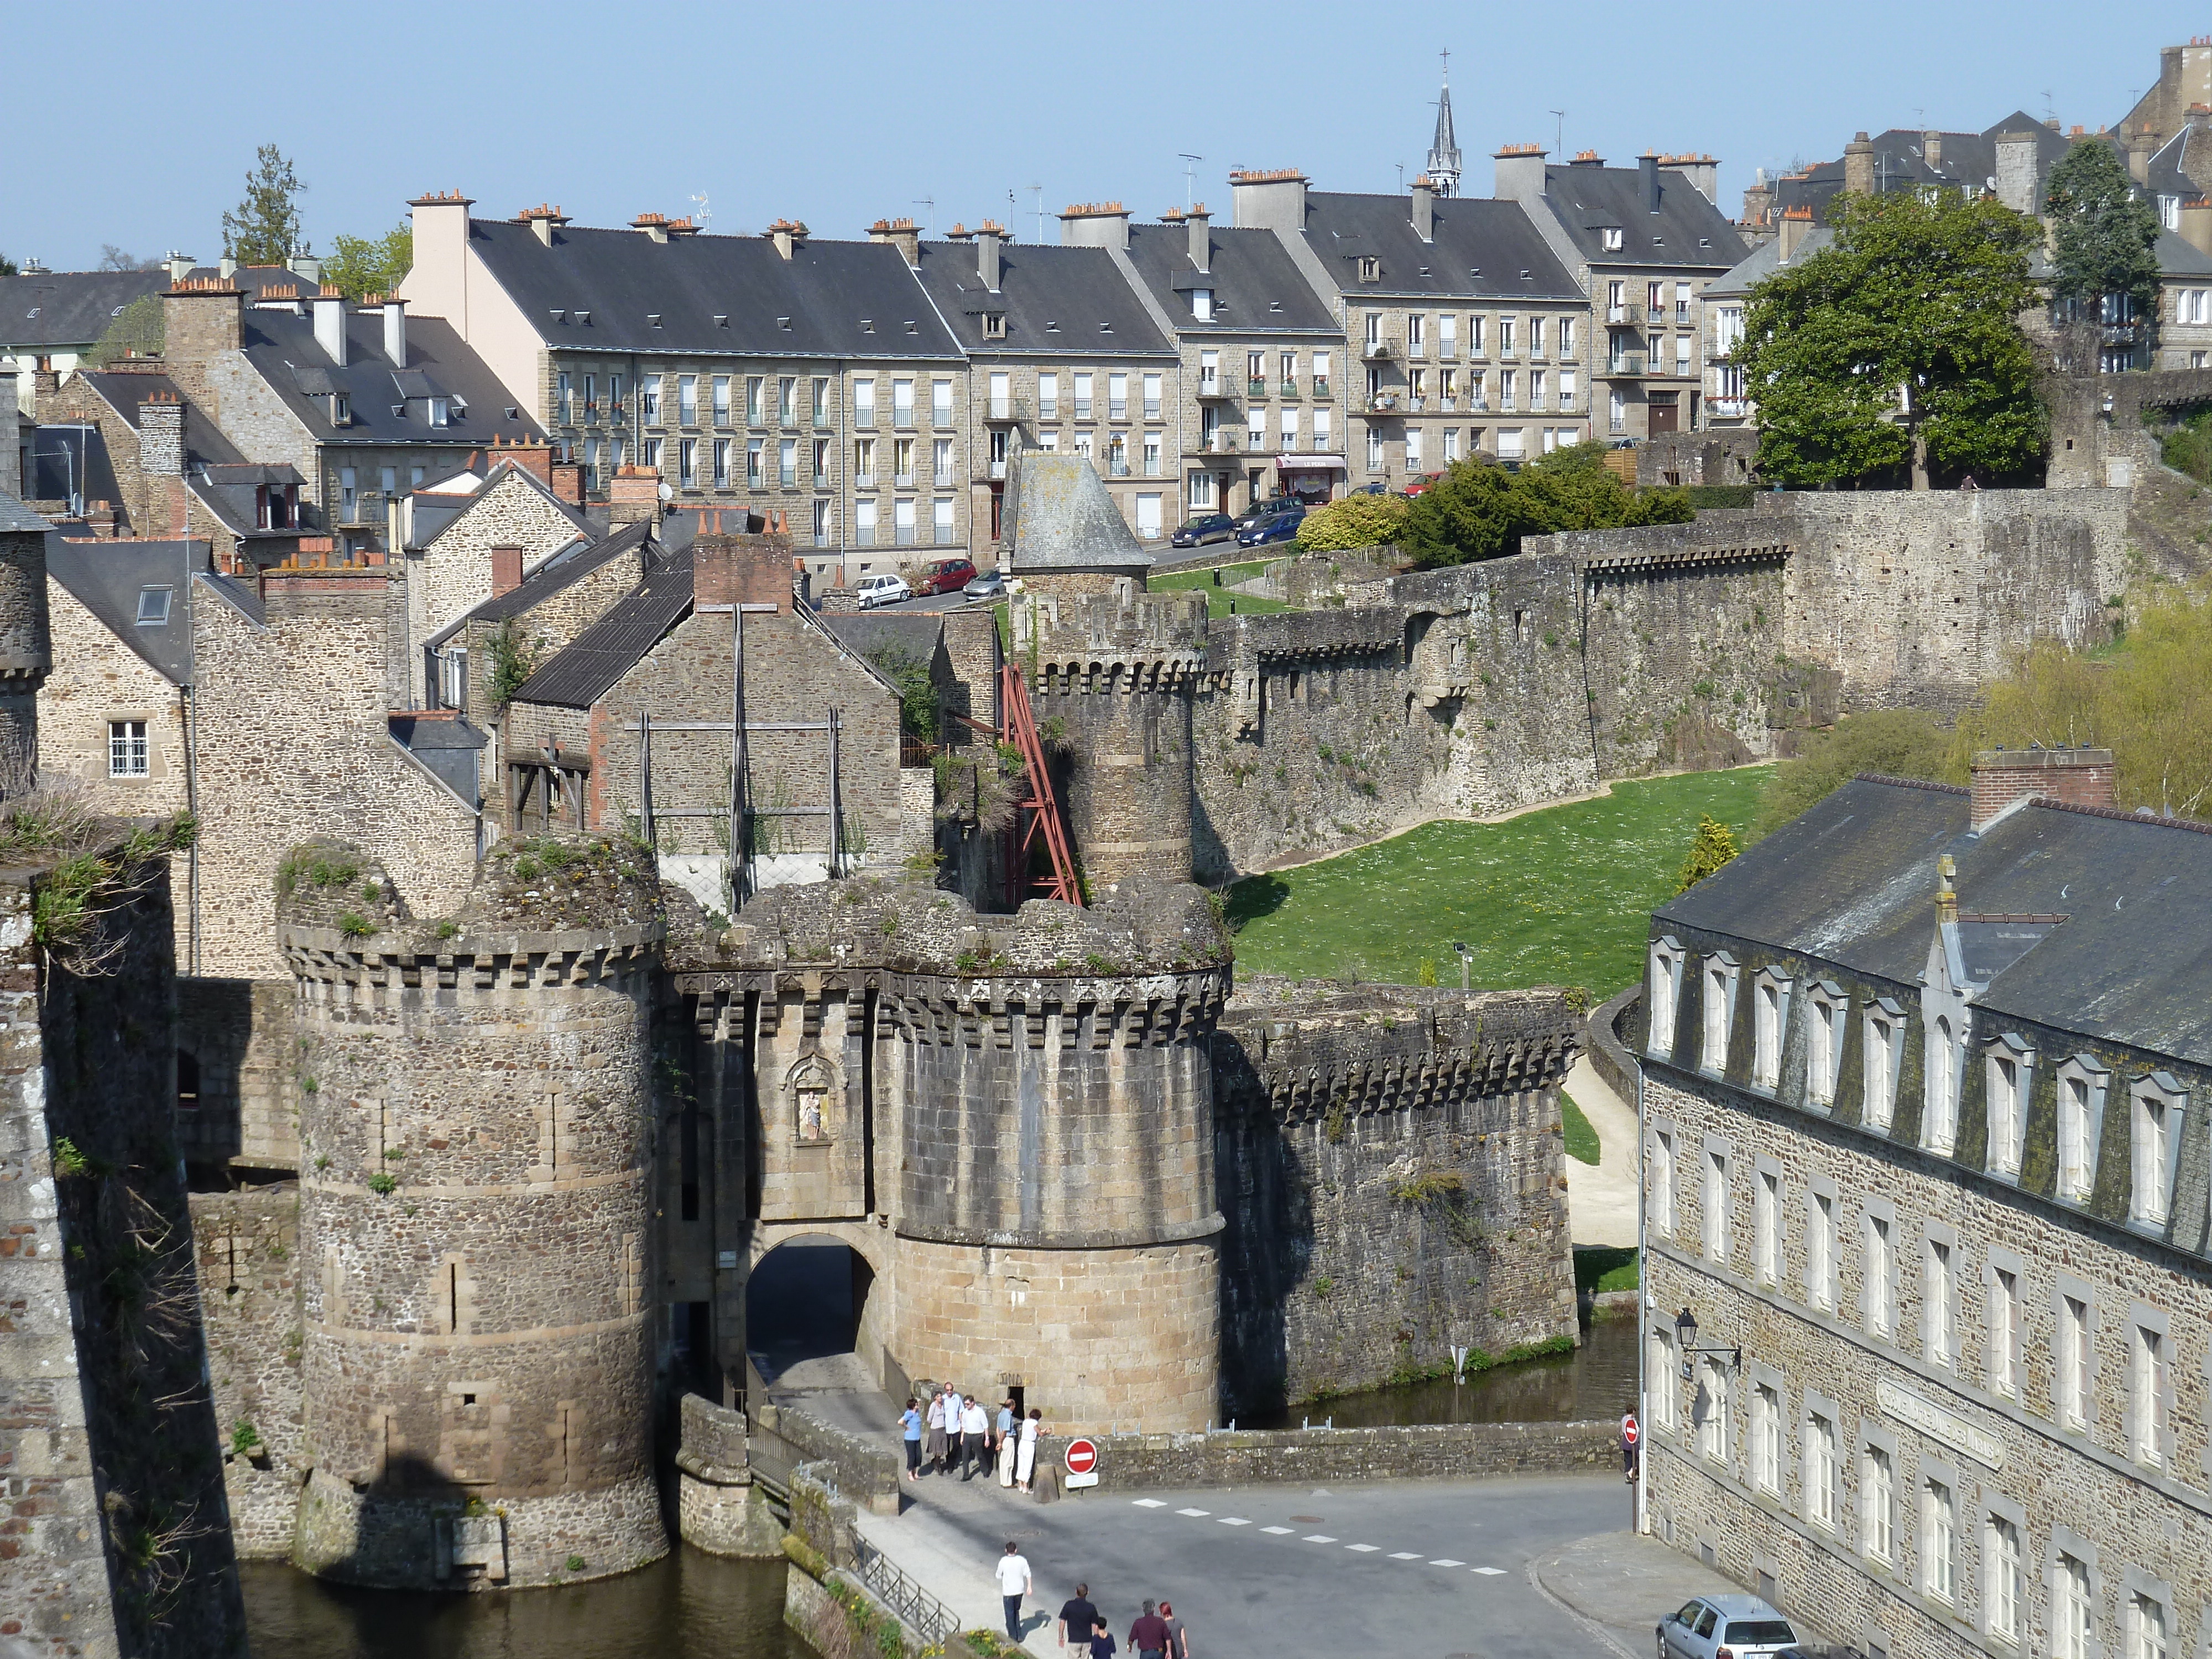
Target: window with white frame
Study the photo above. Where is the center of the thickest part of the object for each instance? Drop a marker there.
(1322, 426)
(1820, 1251)
(2070, 1361)
(454, 678)
(2007, 1578)
(1877, 1500)
(1766, 1438)
(1938, 1537)
(2146, 1396)
(1940, 1133)
(127, 748)
(2081, 1084)
(902, 402)
(1413, 463)
(1767, 1226)
(1711, 1410)
(1824, 1029)
(1151, 388)
(2157, 1126)
(1660, 1347)
(2004, 1311)
(1202, 489)
(1770, 1008)
(2146, 1627)
(1717, 1204)
(1938, 1292)
(1884, 1034)
(1720, 984)
(1880, 1276)
(2009, 1061)
(1822, 1475)
(1663, 1183)
(1374, 450)
(864, 523)
(864, 401)
(2072, 1612)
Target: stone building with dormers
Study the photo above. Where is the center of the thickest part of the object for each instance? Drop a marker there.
(1641, 243)
(1928, 1307)
(748, 371)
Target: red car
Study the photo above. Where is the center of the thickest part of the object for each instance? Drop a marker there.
(945, 576)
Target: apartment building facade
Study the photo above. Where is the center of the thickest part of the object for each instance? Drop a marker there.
(1464, 334)
(1641, 243)
(748, 372)
(1929, 1325)
(1063, 355)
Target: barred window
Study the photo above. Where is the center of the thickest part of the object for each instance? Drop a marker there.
(127, 748)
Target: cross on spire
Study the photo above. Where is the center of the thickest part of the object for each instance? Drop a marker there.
(1444, 150)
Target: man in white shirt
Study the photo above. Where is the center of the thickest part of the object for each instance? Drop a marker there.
(975, 1429)
(1014, 1572)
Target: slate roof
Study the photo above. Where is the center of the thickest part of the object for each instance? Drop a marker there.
(1054, 300)
(56, 309)
(2172, 162)
(1969, 163)
(1762, 262)
(1687, 230)
(419, 731)
(282, 347)
(1258, 287)
(1852, 881)
(106, 577)
(1059, 516)
(1479, 249)
(564, 569)
(14, 515)
(243, 597)
(870, 633)
(607, 285)
(587, 668)
(123, 391)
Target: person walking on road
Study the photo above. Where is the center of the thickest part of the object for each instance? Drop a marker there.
(975, 1429)
(1148, 1636)
(910, 1422)
(1014, 1583)
(1178, 1637)
(937, 1441)
(1026, 1454)
(1102, 1641)
(1077, 1618)
(1005, 1443)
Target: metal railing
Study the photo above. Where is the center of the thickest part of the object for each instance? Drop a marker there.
(1624, 313)
(1377, 350)
(915, 1607)
(1628, 363)
(1321, 386)
(1255, 388)
(1289, 388)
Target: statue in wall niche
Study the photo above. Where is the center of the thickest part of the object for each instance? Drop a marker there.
(809, 1086)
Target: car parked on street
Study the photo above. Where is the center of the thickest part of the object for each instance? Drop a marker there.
(945, 576)
(1724, 1627)
(1205, 528)
(991, 585)
(1278, 527)
(886, 589)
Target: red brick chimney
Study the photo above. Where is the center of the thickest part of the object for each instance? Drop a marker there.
(2072, 777)
(747, 570)
(634, 493)
(535, 458)
(505, 570)
(568, 482)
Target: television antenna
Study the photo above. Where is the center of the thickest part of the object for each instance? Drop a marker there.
(929, 202)
(1189, 168)
(705, 212)
(1559, 133)
(1039, 189)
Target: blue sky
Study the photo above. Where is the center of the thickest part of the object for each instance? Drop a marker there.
(143, 118)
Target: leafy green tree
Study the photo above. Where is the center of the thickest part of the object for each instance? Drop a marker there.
(1355, 522)
(1478, 510)
(1898, 347)
(112, 258)
(7, 266)
(1899, 742)
(2101, 238)
(362, 265)
(138, 332)
(1713, 847)
(264, 229)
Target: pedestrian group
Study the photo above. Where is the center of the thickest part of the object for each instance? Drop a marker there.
(954, 1430)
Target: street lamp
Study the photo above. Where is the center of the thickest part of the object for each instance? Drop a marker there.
(1686, 1338)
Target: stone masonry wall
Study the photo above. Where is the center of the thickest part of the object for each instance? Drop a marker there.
(454, 573)
(97, 679)
(247, 1245)
(1246, 1457)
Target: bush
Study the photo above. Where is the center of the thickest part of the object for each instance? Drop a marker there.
(138, 332)
(1714, 846)
(1899, 742)
(1478, 510)
(1353, 523)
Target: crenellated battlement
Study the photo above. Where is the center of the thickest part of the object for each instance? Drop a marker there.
(1107, 635)
(608, 959)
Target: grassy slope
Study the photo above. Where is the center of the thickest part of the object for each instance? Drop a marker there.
(1217, 599)
(1560, 896)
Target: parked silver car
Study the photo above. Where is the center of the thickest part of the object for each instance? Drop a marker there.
(1724, 1627)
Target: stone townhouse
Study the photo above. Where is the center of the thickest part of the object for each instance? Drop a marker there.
(746, 371)
(1467, 334)
(1063, 353)
(1930, 1318)
(1640, 242)
(1262, 357)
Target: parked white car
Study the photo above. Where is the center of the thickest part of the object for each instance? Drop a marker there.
(886, 589)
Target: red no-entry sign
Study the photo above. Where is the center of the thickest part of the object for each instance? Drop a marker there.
(1628, 1430)
(1082, 1457)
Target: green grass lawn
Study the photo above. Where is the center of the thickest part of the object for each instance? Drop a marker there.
(1582, 1135)
(1561, 896)
(1218, 600)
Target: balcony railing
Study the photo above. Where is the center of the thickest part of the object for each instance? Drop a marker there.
(1082, 409)
(998, 470)
(1289, 388)
(865, 480)
(1210, 388)
(1417, 351)
(1727, 408)
(1117, 467)
(942, 479)
(1007, 408)
(1321, 386)
(1682, 311)
(822, 420)
(1118, 410)
(1152, 410)
(1376, 352)
(1447, 351)
(1624, 315)
(903, 536)
(1627, 365)
(903, 480)
(1255, 388)
(1221, 441)
(1047, 409)
(1382, 403)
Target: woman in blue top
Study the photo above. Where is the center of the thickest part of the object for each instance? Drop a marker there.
(911, 1423)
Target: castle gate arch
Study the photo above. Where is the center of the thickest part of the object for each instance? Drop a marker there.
(814, 1290)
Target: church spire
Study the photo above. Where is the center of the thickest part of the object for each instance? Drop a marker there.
(1443, 152)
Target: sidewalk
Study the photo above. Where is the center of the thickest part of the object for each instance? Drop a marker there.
(1619, 1586)
(941, 1557)
(1602, 1201)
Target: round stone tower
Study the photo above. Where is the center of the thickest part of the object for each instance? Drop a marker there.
(475, 1219)
(1117, 672)
(1056, 1221)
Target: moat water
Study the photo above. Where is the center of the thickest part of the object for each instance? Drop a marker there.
(693, 1606)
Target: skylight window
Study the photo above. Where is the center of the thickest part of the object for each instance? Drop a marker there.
(154, 606)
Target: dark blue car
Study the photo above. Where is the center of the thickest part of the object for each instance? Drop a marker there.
(1281, 527)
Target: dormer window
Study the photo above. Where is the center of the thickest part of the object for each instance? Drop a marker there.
(1826, 1006)
(784, 322)
(441, 411)
(1658, 241)
(721, 319)
(867, 325)
(1371, 268)
(340, 409)
(1663, 996)
(1609, 239)
(994, 325)
(1770, 1013)
(652, 319)
(1719, 1007)
(2010, 1061)
(1885, 1037)
(1105, 328)
(154, 606)
(2082, 1084)
(1275, 305)
(912, 327)
(1201, 304)
(1938, 1129)
(584, 318)
(2155, 1136)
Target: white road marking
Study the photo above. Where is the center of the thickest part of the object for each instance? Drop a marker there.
(1278, 1532)
(1405, 1555)
(1491, 1572)
(1317, 1538)
(1446, 1561)
(1194, 1512)
(1150, 1503)
(1363, 1549)
(1234, 1520)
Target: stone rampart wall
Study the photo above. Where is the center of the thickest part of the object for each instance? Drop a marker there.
(1244, 1457)
(248, 1249)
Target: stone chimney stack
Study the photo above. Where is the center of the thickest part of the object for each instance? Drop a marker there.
(11, 451)
(1797, 225)
(1273, 200)
(330, 324)
(1518, 174)
(2196, 223)
(200, 318)
(395, 329)
(1702, 170)
(634, 493)
(1198, 225)
(2072, 777)
(1425, 208)
(544, 220)
(161, 436)
(1647, 179)
(787, 234)
(902, 234)
(2141, 143)
(1931, 148)
(1858, 166)
(2016, 170)
(990, 236)
(1758, 199)
(741, 569)
(1095, 224)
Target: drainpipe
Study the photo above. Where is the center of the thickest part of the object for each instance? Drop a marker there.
(1642, 1523)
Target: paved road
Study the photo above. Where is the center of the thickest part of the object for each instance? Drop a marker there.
(1602, 1201)
(1436, 1570)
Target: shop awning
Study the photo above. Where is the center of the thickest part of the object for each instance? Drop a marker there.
(1311, 464)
